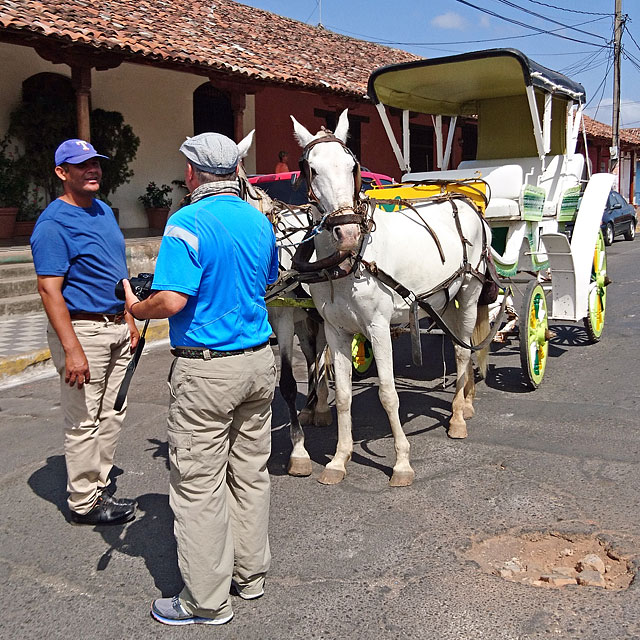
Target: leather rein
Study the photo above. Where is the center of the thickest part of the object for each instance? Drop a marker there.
(342, 263)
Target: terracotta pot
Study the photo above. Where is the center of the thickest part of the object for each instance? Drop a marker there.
(7, 221)
(157, 217)
(23, 228)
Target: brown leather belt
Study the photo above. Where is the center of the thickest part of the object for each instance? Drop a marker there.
(117, 318)
(203, 353)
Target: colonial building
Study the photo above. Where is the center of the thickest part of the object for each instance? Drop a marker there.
(176, 69)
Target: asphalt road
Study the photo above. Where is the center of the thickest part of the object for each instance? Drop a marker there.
(356, 560)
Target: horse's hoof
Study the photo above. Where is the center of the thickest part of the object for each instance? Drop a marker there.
(331, 476)
(402, 478)
(457, 431)
(299, 467)
(305, 417)
(323, 419)
(468, 413)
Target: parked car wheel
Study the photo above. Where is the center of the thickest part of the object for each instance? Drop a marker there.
(630, 233)
(608, 235)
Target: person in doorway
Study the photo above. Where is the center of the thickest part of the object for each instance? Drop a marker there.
(216, 258)
(79, 255)
(282, 166)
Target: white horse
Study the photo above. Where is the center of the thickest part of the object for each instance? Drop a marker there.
(287, 322)
(403, 245)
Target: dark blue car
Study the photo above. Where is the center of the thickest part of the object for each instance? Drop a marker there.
(619, 218)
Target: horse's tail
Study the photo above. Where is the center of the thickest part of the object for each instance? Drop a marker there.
(480, 332)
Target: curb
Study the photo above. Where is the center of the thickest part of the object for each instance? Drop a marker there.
(21, 363)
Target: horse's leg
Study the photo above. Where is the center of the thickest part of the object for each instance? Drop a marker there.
(299, 461)
(340, 345)
(480, 332)
(403, 474)
(312, 342)
(463, 321)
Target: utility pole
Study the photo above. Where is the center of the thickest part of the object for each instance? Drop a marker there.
(615, 138)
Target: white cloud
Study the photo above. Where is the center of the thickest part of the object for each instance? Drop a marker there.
(450, 20)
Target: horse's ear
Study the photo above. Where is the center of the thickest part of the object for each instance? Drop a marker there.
(245, 144)
(343, 126)
(301, 133)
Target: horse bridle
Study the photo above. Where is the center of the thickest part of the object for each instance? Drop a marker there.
(337, 217)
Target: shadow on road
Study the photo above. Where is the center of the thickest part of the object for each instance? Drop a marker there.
(149, 536)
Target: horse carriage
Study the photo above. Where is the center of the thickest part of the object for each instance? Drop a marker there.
(438, 244)
(529, 120)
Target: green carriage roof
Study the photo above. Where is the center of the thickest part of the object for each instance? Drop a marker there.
(454, 85)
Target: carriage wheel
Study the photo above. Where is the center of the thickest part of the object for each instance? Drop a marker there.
(597, 305)
(534, 335)
(361, 356)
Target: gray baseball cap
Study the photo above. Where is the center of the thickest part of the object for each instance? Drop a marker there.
(211, 152)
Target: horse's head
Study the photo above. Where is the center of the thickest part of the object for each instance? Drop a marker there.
(333, 181)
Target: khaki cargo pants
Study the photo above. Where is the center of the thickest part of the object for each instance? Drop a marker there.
(92, 425)
(219, 433)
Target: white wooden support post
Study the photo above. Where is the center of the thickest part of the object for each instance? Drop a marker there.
(447, 151)
(437, 125)
(546, 128)
(406, 147)
(535, 119)
(404, 166)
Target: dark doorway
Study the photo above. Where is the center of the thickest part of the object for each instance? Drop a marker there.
(421, 148)
(212, 111)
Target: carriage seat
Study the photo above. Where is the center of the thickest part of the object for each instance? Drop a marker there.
(505, 181)
(561, 173)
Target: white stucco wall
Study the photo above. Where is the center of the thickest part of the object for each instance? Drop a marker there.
(156, 103)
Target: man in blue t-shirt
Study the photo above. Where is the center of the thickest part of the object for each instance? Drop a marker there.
(216, 258)
(79, 255)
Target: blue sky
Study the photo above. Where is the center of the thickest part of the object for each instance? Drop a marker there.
(433, 28)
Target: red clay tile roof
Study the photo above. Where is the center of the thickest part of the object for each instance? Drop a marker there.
(601, 130)
(217, 34)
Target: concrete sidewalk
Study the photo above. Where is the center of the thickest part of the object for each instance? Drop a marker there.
(24, 349)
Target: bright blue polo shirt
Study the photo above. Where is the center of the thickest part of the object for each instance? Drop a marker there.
(220, 251)
(85, 246)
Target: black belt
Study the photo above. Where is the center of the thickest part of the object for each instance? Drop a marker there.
(118, 318)
(204, 353)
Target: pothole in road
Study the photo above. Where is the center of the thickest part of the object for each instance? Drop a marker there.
(553, 560)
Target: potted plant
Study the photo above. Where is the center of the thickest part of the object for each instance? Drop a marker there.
(14, 184)
(30, 209)
(115, 139)
(157, 202)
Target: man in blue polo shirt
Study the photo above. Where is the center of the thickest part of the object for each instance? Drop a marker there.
(216, 258)
(79, 255)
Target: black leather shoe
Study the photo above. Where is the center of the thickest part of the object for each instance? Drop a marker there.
(107, 496)
(105, 512)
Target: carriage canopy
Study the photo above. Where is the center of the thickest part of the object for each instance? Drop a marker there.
(523, 109)
(456, 85)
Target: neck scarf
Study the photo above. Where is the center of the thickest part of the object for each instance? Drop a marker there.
(215, 188)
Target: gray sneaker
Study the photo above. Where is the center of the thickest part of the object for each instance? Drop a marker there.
(170, 611)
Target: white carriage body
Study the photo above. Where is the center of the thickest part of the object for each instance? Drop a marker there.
(529, 120)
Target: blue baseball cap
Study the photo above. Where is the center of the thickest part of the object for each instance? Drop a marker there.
(75, 151)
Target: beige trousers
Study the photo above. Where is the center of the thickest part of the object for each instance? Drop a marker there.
(219, 443)
(92, 426)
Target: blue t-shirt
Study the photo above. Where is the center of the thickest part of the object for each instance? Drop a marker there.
(221, 252)
(85, 246)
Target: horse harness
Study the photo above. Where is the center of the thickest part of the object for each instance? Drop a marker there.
(343, 263)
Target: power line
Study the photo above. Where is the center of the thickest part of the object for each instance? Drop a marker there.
(523, 24)
(590, 13)
(433, 44)
(632, 38)
(513, 5)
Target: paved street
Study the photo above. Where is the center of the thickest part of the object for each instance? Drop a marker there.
(357, 560)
